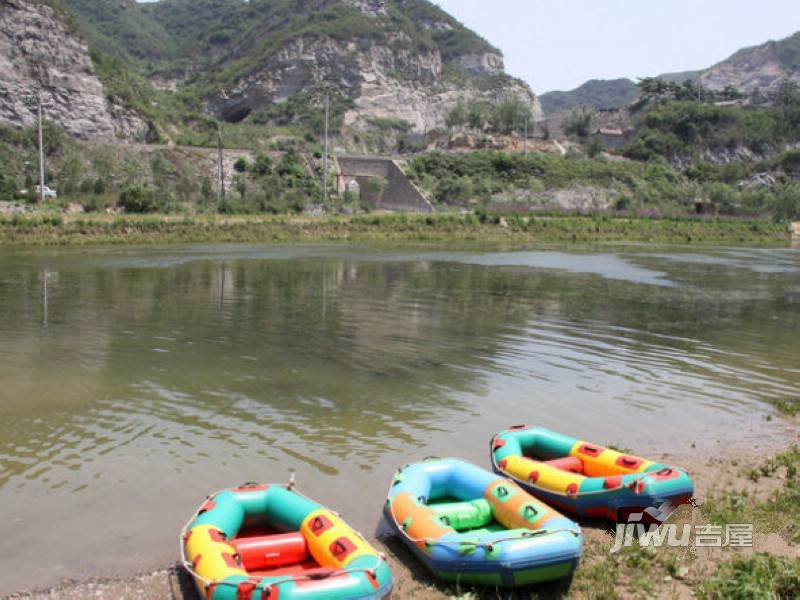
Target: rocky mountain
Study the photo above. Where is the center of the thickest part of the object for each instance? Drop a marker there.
(761, 68)
(757, 69)
(37, 47)
(398, 63)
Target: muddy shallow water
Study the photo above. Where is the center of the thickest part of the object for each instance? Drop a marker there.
(134, 381)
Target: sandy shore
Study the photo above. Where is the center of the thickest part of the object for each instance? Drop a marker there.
(711, 474)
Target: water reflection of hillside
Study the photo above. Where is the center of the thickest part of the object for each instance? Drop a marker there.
(320, 360)
(302, 359)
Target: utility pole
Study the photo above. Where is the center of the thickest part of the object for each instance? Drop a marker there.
(325, 151)
(41, 142)
(220, 167)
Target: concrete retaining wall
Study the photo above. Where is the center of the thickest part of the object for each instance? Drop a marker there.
(399, 194)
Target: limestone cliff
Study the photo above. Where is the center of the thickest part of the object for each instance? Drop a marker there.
(387, 76)
(402, 59)
(383, 81)
(36, 45)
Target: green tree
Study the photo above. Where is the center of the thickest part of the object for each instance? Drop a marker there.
(70, 175)
(476, 114)
(456, 190)
(653, 87)
(140, 199)
(7, 185)
(376, 186)
(262, 166)
(510, 116)
(731, 93)
(594, 146)
(206, 190)
(162, 171)
(688, 90)
(578, 122)
(457, 115)
(787, 202)
(240, 184)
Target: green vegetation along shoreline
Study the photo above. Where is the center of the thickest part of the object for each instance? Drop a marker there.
(55, 229)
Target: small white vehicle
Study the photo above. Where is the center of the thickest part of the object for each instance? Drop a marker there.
(48, 193)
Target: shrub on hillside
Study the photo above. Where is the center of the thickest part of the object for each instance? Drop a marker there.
(7, 185)
(241, 165)
(684, 128)
(594, 146)
(786, 204)
(142, 199)
(262, 166)
(578, 122)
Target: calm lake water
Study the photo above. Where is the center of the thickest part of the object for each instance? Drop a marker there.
(134, 381)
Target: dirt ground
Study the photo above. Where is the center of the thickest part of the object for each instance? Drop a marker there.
(412, 581)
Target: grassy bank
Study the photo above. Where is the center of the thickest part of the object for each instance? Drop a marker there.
(56, 229)
(743, 490)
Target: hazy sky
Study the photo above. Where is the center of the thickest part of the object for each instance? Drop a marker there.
(559, 44)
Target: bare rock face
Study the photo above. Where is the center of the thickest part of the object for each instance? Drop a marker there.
(485, 63)
(422, 96)
(385, 81)
(36, 45)
(425, 110)
(297, 66)
(372, 8)
(754, 69)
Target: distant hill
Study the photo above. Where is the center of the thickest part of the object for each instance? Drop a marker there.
(597, 93)
(604, 94)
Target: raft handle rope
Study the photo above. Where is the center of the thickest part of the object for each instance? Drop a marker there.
(489, 546)
(631, 486)
(379, 559)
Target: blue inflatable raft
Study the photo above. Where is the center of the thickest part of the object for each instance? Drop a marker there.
(470, 526)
